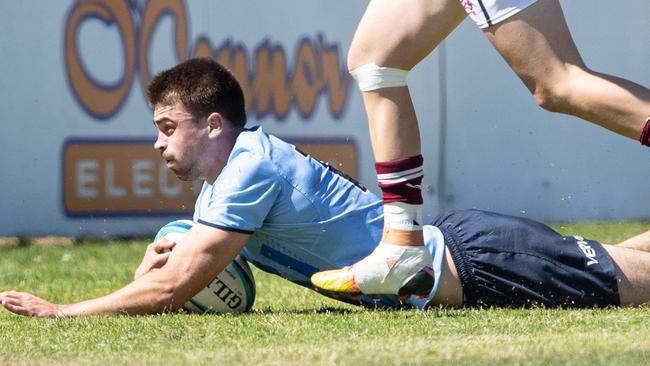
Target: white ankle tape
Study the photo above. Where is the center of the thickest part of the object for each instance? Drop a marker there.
(389, 267)
(372, 77)
(403, 216)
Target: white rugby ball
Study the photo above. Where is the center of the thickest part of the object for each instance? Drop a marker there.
(232, 291)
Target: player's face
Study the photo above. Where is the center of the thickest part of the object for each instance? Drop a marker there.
(181, 139)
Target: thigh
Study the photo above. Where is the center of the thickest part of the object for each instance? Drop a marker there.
(401, 33)
(536, 43)
(632, 274)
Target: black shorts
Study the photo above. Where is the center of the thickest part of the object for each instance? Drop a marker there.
(507, 261)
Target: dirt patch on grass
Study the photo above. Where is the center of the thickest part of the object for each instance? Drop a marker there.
(43, 240)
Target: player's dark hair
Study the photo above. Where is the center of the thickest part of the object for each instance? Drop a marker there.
(203, 86)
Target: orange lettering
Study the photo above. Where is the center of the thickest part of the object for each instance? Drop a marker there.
(307, 79)
(336, 78)
(271, 92)
(269, 85)
(99, 101)
(152, 14)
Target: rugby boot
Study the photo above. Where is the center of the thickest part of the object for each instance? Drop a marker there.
(388, 270)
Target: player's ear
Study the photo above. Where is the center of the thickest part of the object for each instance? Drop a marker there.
(215, 122)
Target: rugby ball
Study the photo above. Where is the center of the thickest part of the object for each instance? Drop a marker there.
(232, 291)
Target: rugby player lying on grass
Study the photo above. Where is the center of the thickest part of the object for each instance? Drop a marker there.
(293, 216)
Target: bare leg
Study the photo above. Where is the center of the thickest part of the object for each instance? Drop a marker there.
(392, 121)
(398, 35)
(538, 46)
(421, 26)
(633, 274)
(639, 242)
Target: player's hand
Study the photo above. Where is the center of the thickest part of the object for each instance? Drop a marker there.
(155, 257)
(24, 303)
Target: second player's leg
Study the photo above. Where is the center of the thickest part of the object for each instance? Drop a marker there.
(537, 44)
(633, 274)
(638, 242)
(392, 37)
(398, 34)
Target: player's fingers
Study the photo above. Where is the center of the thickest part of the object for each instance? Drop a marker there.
(161, 259)
(23, 298)
(164, 245)
(15, 308)
(4, 296)
(10, 303)
(150, 248)
(11, 294)
(6, 302)
(11, 298)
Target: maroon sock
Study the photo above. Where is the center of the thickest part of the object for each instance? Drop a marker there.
(400, 180)
(645, 134)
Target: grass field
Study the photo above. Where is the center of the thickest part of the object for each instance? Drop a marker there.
(294, 326)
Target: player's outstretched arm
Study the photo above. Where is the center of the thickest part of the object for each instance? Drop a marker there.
(189, 268)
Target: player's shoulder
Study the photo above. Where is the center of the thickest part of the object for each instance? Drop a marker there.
(255, 141)
(251, 141)
(251, 158)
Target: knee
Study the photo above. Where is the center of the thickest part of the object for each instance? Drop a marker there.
(555, 95)
(358, 55)
(558, 93)
(552, 98)
(363, 52)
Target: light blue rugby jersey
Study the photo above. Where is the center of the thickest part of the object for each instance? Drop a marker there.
(304, 216)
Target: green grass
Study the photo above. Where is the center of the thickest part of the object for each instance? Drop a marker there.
(294, 326)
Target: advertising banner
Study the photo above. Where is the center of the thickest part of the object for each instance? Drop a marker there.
(78, 132)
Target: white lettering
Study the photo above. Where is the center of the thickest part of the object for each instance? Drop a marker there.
(112, 190)
(587, 250)
(142, 176)
(86, 174)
